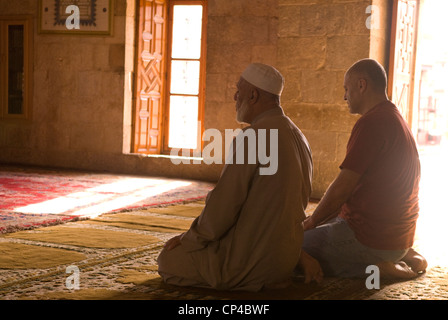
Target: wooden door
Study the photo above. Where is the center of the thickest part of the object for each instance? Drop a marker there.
(402, 55)
(150, 76)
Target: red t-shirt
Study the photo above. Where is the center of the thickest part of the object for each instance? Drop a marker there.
(383, 208)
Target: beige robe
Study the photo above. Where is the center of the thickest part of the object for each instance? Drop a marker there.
(249, 233)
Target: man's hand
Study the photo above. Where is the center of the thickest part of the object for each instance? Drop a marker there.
(173, 243)
(336, 195)
(311, 268)
(308, 224)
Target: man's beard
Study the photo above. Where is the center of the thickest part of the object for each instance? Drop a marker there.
(242, 111)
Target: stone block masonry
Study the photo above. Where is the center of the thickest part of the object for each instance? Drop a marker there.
(317, 41)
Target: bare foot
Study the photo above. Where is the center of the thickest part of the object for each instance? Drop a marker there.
(400, 270)
(310, 267)
(416, 261)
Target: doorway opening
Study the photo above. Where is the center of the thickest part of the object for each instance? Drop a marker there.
(430, 126)
(431, 87)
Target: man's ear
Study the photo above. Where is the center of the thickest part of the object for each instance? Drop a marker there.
(254, 95)
(362, 84)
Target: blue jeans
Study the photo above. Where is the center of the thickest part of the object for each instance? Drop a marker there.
(340, 254)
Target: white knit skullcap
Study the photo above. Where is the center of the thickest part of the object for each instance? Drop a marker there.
(264, 77)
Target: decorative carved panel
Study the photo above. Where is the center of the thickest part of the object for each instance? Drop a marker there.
(150, 76)
(402, 56)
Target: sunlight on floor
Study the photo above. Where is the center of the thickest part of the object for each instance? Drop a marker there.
(104, 198)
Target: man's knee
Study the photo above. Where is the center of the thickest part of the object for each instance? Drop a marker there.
(166, 265)
(166, 260)
(176, 267)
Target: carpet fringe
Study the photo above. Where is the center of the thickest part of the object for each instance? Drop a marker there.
(15, 228)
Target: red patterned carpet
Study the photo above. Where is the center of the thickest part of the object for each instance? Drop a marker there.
(39, 197)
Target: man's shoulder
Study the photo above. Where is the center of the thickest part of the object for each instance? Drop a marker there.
(378, 117)
(274, 121)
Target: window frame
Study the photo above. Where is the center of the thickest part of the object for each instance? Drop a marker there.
(27, 22)
(202, 72)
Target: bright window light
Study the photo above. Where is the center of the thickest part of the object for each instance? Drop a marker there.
(185, 76)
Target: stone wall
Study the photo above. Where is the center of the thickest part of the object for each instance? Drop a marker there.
(77, 108)
(318, 41)
(82, 103)
(312, 42)
(238, 33)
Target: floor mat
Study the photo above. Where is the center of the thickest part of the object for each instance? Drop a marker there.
(116, 255)
(33, 197)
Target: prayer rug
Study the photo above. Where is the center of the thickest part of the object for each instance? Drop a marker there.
(143, 222)
(24, 256)
(116, 255)
(85, 237)
(41, 197)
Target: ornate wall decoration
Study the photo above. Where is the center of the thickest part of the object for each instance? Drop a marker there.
(93, 16)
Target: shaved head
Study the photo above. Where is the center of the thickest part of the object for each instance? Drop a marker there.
(371, 71)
